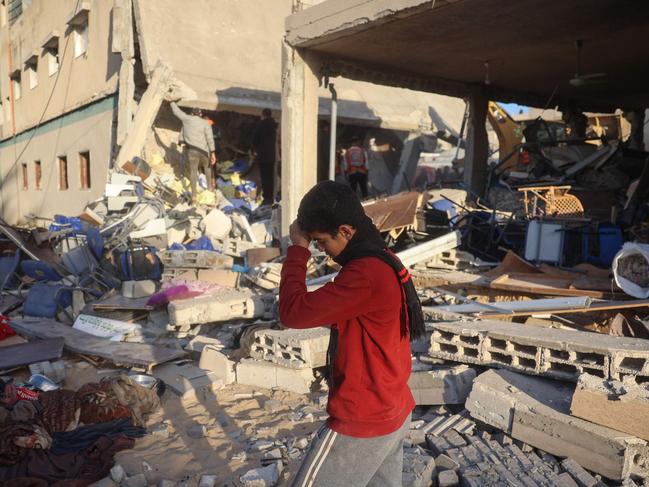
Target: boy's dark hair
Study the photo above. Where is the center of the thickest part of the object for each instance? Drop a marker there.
(327, 206)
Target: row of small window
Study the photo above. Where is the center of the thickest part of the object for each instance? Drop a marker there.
(62, 166)
(51, 57)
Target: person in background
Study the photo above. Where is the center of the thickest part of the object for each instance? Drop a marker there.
(356, 166)
(264, 145)
(199, 152)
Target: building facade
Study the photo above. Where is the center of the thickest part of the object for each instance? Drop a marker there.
(58, 89)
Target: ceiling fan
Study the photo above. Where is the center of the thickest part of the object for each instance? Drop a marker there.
(583, 79)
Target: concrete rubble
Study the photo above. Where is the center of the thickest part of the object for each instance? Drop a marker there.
(623, 406)
(537, 411)
(198, 314)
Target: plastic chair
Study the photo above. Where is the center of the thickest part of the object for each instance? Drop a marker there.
(8, 266)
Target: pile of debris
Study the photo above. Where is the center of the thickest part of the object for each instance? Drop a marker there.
(512, 385)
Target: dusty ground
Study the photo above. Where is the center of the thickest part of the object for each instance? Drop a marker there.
(232, 423)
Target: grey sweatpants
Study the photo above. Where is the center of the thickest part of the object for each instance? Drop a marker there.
(336, 460)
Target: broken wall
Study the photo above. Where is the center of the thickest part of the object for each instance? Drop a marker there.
(231, 59)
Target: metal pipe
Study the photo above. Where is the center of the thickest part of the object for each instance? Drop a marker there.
(332, 132)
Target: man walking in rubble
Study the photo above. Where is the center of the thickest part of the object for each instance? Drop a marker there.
(198, 138)
(356, 166)
(374, 312)
(263, 144)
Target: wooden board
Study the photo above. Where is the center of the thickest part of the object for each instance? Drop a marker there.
(512, 263)
(547, 285)
(394, 212)
(121, 303)
(593, 308)
(80, 342)
(31, 352)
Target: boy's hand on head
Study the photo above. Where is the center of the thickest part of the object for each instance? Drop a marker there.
(298, 236)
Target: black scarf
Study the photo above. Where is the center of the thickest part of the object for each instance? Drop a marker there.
(367, 242)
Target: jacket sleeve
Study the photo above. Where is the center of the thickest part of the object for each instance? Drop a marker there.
(178, 112)
(345, 298)
(209, 137)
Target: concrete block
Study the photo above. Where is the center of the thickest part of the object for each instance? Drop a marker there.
(579, 475)
(418, 470)
(215, 361)
(620, 406)
(187, 380)
(117, 473)
(557, 353)
(447, 478)
(268, 375)
(208, 308)
(238, 248)
(138, 289)
(442, 385)
(292, 348)
(536, 411)
(444, 462)
(217, 224)
(266, 275)
(263, 476)
(566, 480)
(138, 480)
(195, 259)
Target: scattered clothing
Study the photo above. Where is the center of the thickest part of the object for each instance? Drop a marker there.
(60, 410)
(80, 468)
(99, 404)
(5, 330)
(16, 439)
(85, 436)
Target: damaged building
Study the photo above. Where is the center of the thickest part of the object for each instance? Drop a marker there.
(79, 71)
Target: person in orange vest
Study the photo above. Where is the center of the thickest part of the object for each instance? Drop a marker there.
(356, 166)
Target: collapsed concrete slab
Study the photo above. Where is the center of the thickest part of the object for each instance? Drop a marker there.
(292, 348)
(561, 354)
(442, 385)
(620, 406)
(207, 308)
(537, 411)
(268, 375)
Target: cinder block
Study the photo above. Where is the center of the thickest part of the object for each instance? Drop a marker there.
(561, 354)
(268, 375)
(223, 306)
(620, 406)
(196, 259)
(292, 348)
(442, 385)
(537, 412)
(215, 361)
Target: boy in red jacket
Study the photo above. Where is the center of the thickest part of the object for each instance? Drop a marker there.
(374, 312)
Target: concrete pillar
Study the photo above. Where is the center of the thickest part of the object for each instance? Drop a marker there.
(299, 129)
(477, 144)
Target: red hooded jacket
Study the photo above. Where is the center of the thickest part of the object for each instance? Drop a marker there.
(370, 396)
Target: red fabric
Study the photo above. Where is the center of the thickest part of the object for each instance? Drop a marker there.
(370, 396)
(5, 330)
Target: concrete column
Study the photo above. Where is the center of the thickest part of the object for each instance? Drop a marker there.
(123, 43)
(477, 144)
(299, 129)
